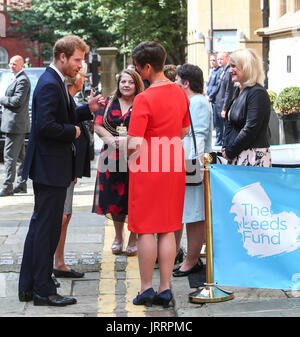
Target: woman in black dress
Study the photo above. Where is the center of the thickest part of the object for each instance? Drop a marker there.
(111, 190)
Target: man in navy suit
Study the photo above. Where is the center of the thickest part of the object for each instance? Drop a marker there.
(212, 86)
(50, 163)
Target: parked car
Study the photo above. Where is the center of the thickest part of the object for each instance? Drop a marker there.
(34, 75)
(5, 78)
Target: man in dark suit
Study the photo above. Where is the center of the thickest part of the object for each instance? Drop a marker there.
(49, 162)
(212, 85)
(15, 124)
(223, 96)
(82, 169)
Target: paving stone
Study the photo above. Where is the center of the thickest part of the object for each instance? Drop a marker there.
(85, 287)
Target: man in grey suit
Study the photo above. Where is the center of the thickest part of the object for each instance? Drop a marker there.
(15, 124)
(223, 96)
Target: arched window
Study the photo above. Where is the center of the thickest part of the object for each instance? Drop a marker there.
(3, 58)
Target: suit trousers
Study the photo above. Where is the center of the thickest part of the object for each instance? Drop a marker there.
(14, 154)
(42, 239)
(218, 125)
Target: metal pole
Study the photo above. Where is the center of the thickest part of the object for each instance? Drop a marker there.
(211, 27)
(208, 219)
(265, 8)
(209, 293)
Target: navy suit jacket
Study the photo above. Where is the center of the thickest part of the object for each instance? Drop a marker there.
(212, 85)
(49, 157)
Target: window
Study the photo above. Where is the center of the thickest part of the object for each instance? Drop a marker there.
(289, 64)
(2, 25)
(3, 58)
(282, 7)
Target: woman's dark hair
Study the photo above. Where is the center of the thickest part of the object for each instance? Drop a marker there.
(193, 74)
(152, 53)
(139, 85)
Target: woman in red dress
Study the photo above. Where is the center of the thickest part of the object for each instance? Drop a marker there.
(111, 189)
(159, 121)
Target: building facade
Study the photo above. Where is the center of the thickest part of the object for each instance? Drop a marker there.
(283, 33)
(230, 24)
(11, 44)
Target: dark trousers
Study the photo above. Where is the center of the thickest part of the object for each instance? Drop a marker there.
(219, 123)
(42, 239)
(14, 154)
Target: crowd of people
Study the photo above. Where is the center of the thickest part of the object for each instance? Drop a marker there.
(136, 184)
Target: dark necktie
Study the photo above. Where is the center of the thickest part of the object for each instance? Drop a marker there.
(67, 92)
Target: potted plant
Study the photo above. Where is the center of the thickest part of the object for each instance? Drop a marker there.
(272, 95)
(287, 107)
(274, 122)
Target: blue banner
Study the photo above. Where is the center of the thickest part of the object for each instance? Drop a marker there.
(256, 226)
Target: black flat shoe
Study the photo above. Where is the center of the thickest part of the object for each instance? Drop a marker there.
(56, 283)
(71, 274)
(163, 298)
(53, 300)
(146, 298)
(179, 257)
(197, 267)
(177, 267)
(25, 296)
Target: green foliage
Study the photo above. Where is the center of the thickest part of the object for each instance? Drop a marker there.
(272, 95)
(120, 23)
(132, 21)
(288, 101)
(45, 21)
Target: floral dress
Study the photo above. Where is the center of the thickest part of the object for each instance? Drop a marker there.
(111, 188)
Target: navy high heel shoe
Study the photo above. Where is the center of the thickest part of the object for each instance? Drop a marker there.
(163, 298)
(145, 298)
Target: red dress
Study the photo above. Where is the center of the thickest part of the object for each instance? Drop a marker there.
(157, 175)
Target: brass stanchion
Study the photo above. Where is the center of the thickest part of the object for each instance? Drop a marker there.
(210, 292)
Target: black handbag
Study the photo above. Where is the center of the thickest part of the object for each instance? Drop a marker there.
(194, 175)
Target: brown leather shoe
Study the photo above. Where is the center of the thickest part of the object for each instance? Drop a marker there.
(22, 188)
(6, 192)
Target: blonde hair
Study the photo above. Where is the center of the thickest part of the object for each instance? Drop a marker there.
(251, 65)
(70, 81)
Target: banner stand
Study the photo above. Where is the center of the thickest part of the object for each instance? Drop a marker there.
(210, 292)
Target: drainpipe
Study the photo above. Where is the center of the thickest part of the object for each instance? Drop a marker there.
(211, 27)
(265, 9)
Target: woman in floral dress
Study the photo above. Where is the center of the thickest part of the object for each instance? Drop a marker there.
(111, 189)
